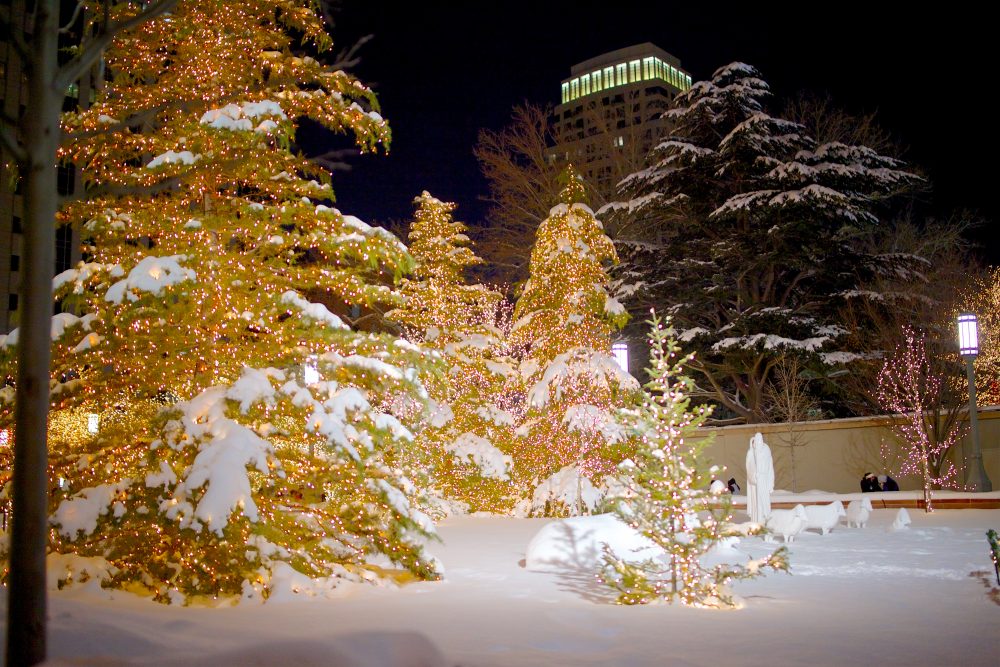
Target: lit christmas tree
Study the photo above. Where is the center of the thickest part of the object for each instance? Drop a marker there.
(237, 429)
(563, 324)
(922, 391)
(666, 490)
(464, 448)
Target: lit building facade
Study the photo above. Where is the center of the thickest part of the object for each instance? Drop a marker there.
(13, 95)
(609, 112)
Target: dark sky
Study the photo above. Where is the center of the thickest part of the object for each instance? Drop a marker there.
(443, 70)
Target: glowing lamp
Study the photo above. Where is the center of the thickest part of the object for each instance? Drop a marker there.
(968, 335)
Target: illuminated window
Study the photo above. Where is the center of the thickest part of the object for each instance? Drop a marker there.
(585, 84)
(574, 89)
(609, 77)
(634, 72)
(619, 142)
(673, 77)
(621, 74)
(565, 93)
(647, 69)
(620, 353)
(595, 81)
(687, 81)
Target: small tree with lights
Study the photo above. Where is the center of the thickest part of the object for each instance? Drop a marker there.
(243, 430)
(563, 324)
(666, 496)
(925, 402)
(464, 449)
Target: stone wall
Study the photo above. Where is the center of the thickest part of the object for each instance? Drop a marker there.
(832, 455)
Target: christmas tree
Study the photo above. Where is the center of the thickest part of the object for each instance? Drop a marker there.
(237, 428)
(666, 496)
(464, 449)
(563, 324)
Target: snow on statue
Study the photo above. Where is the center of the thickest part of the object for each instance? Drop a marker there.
(760, 479)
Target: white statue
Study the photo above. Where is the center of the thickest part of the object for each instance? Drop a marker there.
(760, 479)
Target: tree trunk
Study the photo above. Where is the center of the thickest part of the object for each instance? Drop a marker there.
(26, 611)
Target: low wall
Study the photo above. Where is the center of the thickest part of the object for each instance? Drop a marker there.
(833, 455)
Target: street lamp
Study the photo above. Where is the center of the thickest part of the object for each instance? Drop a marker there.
(968, 347)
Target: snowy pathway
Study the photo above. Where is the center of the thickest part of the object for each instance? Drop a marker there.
(925, 596)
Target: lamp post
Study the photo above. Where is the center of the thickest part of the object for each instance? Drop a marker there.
(968, 347)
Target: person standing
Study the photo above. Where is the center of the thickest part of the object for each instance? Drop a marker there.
(760, 479)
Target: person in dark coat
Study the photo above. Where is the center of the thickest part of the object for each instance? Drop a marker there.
(870, 483)
(887, 483)
(734, 488)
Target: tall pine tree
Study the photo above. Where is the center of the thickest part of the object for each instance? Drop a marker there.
(238, 430)
(563, 324)
(753, 236)
(465, 447)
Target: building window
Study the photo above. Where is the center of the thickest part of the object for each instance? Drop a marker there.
(609, 77)
(16, 225)
(565, 93)
(11, 302)
(673, 77)
(621, 74)
(595, 81)
(620, 352)
(585, 84)
(574, 89)
(634, 73)
(647, 68)
(15, 262)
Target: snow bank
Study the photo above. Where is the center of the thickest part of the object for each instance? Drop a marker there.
(577, 544)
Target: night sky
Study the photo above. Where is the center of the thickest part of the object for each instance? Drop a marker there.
(443, 70)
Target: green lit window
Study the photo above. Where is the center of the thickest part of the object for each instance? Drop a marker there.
(574, 89)
(647, 69)
(673, 77)
(621, 72)
(565, 93)
(634, 73)
(687, 79)
(585, 84)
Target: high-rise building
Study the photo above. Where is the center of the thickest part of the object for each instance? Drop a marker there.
(610, 111)
(13, 95)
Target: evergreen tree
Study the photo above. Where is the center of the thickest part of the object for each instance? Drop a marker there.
(666, 496)
(219, 463)
(753, 236)
(563, 324)
(465, 448)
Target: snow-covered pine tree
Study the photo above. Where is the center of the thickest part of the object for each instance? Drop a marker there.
(563, 324)
(751, 236)
(665, 495)
(465, 447)
(237, 428)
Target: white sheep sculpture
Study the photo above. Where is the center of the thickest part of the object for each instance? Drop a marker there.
(858, 512)
(787, 523)
(824, 517)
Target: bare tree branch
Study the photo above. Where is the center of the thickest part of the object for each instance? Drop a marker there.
(76, 14)
(91, 53)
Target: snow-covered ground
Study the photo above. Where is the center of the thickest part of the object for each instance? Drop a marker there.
(922, 596)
